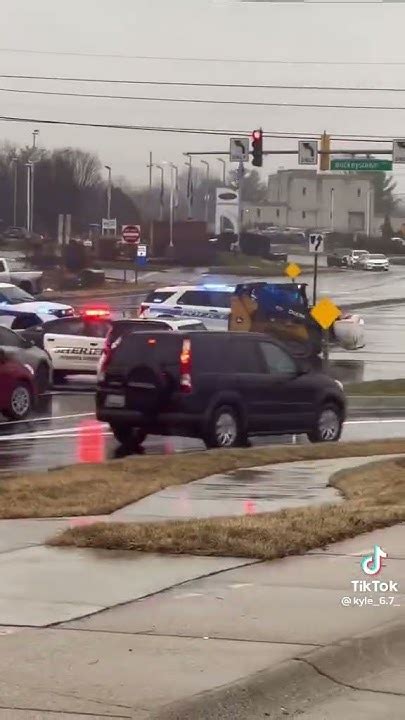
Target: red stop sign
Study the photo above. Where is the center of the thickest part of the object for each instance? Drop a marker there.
(131, 233)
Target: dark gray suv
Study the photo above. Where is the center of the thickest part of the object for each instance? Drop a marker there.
(220, 387)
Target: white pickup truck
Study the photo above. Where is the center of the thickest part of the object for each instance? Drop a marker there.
(30, 281)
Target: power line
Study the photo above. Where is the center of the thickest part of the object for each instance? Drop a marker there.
(172, 83)
(198, 131)
(254, 61)
(202, 101)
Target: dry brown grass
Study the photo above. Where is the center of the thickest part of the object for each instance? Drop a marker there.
(375, 497)
(101, 489)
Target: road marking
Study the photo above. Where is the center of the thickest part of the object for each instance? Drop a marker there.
(53, 417)
(374, 422)
(56, 433)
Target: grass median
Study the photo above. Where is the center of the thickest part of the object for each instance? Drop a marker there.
(101, 489)
(377, 388)
(374, 498)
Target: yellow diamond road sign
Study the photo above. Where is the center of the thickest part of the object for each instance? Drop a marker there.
(325, 313)
(293, 270)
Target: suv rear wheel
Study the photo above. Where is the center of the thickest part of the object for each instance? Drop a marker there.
(328, 426)
(225, 429)
(129, 436)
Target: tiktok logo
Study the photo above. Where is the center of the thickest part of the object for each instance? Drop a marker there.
(372, 564)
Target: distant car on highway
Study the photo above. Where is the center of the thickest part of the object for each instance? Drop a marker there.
(375, 262)
(354, 258)
(17, 388)
(24, 351)
(15, 299)
(221, 387)
(76, 344)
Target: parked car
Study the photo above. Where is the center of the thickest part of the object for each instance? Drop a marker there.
(221, 387)
(16, 233)
(15, 299)
(28, 280)
(24, 351)
(355, 257)
(17, 388)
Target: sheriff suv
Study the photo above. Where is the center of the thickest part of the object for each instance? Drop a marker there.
(221, 387)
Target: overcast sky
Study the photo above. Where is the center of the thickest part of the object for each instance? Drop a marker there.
(218, 29)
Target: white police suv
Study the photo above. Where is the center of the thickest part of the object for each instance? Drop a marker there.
(16, 300)
(210, 303)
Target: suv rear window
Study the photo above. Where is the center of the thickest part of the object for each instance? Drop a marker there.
(162, 348)
(158, 296)
(124, 327)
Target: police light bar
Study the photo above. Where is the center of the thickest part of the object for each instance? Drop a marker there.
(96, 313)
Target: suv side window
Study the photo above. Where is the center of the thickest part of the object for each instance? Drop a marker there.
(277, 361)
(10, 339)
(158, 296)
(195, 297)
(246, 357)
(74, 326)
(97, 328)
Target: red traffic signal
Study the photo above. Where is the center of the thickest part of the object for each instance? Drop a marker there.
(257, 148)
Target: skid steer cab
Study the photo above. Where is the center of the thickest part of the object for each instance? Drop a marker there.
(283, 311)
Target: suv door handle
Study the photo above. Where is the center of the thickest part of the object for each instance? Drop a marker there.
(93, 344)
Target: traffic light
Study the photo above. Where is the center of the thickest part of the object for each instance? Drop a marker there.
(324, 160)
(257, 148)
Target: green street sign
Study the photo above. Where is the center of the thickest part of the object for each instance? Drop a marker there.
(361, 165)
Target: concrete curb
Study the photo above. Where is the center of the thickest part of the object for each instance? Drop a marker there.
(295, 685)
(376, 406)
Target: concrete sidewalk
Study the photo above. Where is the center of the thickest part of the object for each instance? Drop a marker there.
(265, 639)
(42, 585)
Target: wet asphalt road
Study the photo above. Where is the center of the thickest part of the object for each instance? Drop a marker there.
(66, 432)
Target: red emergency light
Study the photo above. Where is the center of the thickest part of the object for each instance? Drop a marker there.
(96, 313)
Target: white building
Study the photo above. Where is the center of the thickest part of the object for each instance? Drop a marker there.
(308, 199)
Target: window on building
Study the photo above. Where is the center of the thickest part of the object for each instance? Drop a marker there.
(358, 192)
(304, 214)
(304, 190)
(277, 213)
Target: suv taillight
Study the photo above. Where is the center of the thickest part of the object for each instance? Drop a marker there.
(105, 357)
(142, 308)
(185, 367)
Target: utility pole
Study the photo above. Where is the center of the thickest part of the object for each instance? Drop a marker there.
(150, 166)
(190, 189)
(207, 194)
(171, 215)
(109, 191)
(162, 191)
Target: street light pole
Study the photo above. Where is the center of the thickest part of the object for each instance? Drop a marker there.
(28, 165)
(109, 189)
(34, 145)
(332, 209)
(34, 139)
(15, 168)
(173, 180)
(221, 160)
(207, 195)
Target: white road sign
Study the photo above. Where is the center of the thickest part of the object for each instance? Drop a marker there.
(308, 152)
(239, 149)
(316, 243)
(141, 250)
(398, 151)
(109, 225)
